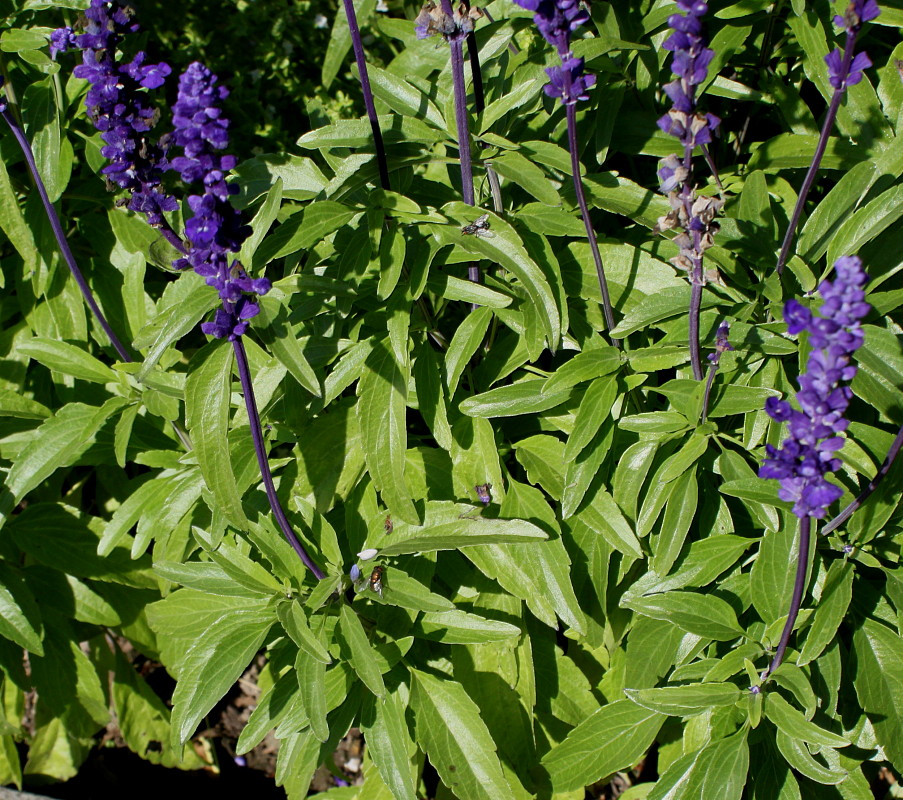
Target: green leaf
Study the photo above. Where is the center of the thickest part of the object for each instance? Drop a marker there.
(456, 739)
(878, 677)
(468, 337)
(382, 394)
(386, 732)
(262, 221)
(311, 674)
(276, 333)
(185, 303)
(20, 616)
(830, 611)
(792, 723)
(15, 404)
(67, 359)
(773, 572)
(704, 615)
(52, 152)
(524, 397)
(459, 627)
(296, 626)
(451, 534)
(361, 655)
(431, 397)
(717, 772)
(13, 224)
(611, 739)
(404, 98)
(403, 590)
(208, 392)
(302, 230)
(507, 250)
(798, 756)
(517, 169)
(57, 443)
(685, 701)
(680, 509)
(357, 133)
(213, 663)
(603, 516)
(585, 366)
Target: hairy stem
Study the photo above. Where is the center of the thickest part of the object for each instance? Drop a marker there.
(844, 515)
(799, 586)
(60, 236)
(818, 155)
(359, 57)
(247, 389)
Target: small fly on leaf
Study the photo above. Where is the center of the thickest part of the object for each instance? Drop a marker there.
(376, 580)
(387, 525)
(479, 227)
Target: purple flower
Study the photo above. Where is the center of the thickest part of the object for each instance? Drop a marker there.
(216, 228)
(849, 77)
(721, 343)
(568, 81)
(808, 454)
(857, 12)
(118, 107)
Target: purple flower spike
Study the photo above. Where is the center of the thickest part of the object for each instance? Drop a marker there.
(556, 20)
(217, 228)
(809, 453)
(722, 344)
(119, 108)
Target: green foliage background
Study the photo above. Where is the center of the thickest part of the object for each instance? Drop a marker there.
(631, 576)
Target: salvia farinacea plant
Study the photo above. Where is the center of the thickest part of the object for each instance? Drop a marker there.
(504, 528)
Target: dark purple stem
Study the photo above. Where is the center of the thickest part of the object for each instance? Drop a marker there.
(247, 389)
(695, 304)
(799, 586)
(819, 153)
(844, 515)
(456, 47)
(61, 236)
(571, 110)
(361, 60)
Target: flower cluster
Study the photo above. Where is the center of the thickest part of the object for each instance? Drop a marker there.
(119, 108)
(556, 20)
(694, 215)
(722, 344)
(844, 69)
(808, 454)
(216, 229)
(689, 65)
(434, 19)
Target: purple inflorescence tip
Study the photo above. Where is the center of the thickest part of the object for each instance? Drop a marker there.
(217, 228)
(119, 107)
(556, 20)
(808, 454)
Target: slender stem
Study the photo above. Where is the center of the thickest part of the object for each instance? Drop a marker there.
(799, 586)
(819, 153)
(60, 236)
(479, 104)
(247, 389)
(710, 379)
(695, 304)
(571, 110)
(361, 60)
(844, 515)
(711, 162)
